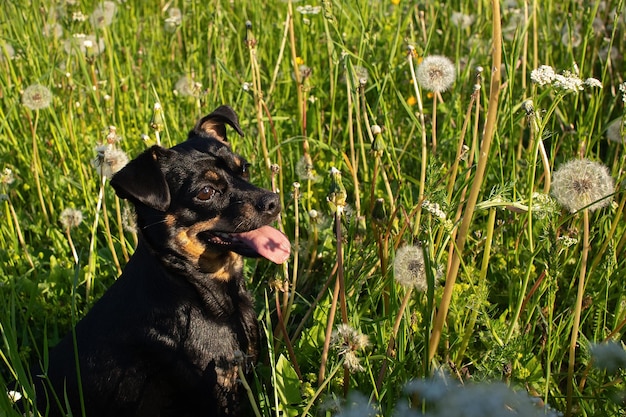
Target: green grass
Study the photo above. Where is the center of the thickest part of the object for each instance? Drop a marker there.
(512, 301)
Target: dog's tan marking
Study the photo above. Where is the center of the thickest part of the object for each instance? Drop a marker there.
(238, 161)
(221, 266)
(212, 176)
(227, 377)
(215, 129)
(170, 221)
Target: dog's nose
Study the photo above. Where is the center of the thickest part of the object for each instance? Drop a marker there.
(269, 204)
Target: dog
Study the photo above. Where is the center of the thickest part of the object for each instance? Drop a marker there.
(173, 334)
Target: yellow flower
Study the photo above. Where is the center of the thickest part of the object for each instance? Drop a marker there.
(299, 61)
(411, 101)
(395, 2)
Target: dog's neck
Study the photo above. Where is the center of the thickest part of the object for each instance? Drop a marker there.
(222, 291)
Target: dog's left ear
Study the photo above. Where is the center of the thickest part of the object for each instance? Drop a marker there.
(142, 180)
(215, 123)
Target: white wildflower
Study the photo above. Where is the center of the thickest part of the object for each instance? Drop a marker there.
(544, 75)
(593, 82)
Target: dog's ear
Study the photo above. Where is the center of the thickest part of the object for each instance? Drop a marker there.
(215, 123)
(142, 180)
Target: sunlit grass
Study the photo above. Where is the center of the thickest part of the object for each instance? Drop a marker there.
(323, 86)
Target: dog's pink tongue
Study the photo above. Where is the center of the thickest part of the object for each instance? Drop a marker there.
(269, 243)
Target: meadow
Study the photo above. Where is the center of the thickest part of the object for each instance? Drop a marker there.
(451, 176)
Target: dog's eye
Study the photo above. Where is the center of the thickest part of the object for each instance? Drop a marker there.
(206, 193)
(245, 173)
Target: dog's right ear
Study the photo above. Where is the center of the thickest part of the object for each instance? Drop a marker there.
(142, 180)
(215, 123)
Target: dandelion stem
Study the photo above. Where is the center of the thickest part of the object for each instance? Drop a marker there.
(392, 341)
(288, 344)
(37, 166)
(433, 138)
(459, 151)
(488, 134)
(18, 231)
(329, 331)
(353, 160)
(246, 386)
(424, 158)
(296, 245)
(71, 243)
(609, 236)
(120, 227)
(577, 312)
(469, 329)
(91, 263)
(105, 217)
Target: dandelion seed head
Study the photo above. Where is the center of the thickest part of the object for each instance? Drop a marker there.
(53, 30)
(347, 340)
(571, 36)
(109, 160)
(36, 97)
(85, 44)
(305, 169)
(461, 20)
(187, 87)
(103, 14)
(409, 267)
(71, 218)
(129, 219)
(305, 71)
(582, 183)
(352, 362)
(174, 19)
(616, 131)
(436, 73)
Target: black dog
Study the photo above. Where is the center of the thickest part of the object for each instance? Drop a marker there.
(170, 336)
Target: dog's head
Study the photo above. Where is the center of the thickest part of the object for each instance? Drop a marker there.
(194, 201)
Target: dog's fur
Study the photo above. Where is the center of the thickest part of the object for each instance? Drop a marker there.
(170, 336)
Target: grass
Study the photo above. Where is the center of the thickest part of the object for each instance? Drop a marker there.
(518, 287)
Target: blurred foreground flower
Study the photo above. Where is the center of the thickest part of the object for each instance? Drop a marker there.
(447, 397)
(581, 183)
(609, 356)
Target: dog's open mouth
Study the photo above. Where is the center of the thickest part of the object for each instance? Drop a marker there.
(265, 241)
